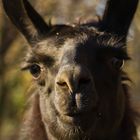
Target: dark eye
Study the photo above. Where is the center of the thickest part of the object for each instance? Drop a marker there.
(35, 70)
(117, 63)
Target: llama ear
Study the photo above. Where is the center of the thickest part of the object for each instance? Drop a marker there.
(25, 18)
(118, 16)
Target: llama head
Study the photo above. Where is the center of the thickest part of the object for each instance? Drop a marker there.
(77, 68)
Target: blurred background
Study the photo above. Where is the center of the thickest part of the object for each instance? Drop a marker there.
(15, 84)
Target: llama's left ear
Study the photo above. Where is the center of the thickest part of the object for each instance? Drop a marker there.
(118, 16)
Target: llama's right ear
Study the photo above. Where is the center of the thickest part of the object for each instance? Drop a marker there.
(26, 19)
(118, 16)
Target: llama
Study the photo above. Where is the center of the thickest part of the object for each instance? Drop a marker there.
(81, 91)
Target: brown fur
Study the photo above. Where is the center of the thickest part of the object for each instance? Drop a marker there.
(80, 92)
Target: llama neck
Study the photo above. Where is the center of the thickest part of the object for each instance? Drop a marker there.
(33, 127)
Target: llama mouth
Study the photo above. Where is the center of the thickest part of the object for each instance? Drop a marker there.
(76, 119)
(70, 119)
(79, 120)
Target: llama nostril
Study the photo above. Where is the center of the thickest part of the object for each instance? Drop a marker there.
(61, 83)
(84, 81)
(72, 78)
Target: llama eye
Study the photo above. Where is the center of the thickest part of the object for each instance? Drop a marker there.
(35, 70)
(117, 63)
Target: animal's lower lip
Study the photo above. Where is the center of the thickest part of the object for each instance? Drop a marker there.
(75, 118)
(71, 119)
